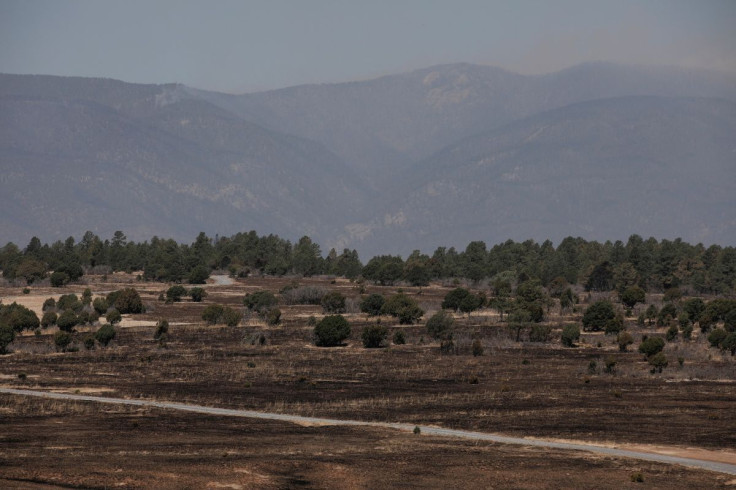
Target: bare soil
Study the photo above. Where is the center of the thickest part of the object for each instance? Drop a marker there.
(515, 388)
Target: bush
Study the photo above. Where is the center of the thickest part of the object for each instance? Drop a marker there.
(67, 321)
(162, 331)
(633, 295)
(672, 333)
(729, 343)
(7, 335)
(624, 340)
(331, 331)
(651, 346)
(598, 316)
(447, 346)
(374, 336)
(175, 293)
(18, 317)
(49, 304)
(402, 307)
(439, 326)
(716, 337)
(113, 316)
(304, 295)
(273, 317)
(89, 342)
(48, 319)
(59, 279)
(69, 302)
(212, 314)
(126, 301)
(570, 335)
(399, 337)
(260, 301)
(540, 333)
(372, 304)
(477, 348)
(62, 340)
(100, 305)
(454, 298)
(666, 314)
(231, 317)
(197, 294)
(687, 332)
(199, 275)
(658, 361)
(333, 302)
(105, 334)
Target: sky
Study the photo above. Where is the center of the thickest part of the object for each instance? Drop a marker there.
(242, 46)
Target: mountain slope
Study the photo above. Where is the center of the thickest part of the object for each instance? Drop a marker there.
(149, 167)
(602, 169)
(380, 125)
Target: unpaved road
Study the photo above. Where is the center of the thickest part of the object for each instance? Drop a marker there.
(435, 431)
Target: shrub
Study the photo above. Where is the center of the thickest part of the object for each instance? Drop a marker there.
(454, 298)
(304, 295)
(18, 317)
(672, 295)
(59, 279)
(162, 330)
(7, 335)
(89, 342)
(100, 305)
(687, 332)
(62, 340)
(610, 365)
(658, 361)
(651, 346)
(199, 275)
(666, 314)
(311, 321)
(651, 314)
(333, 302)
(273, 317)
(439, 326)
(598, 316)
(477, 348)
(113, 316)
(126, 301)
(624, 340)
(372, 304)
(260, 301)
(105, 334)
(633, 295)
(231, 317)
(402, 307)
(175, 293)
(331, 331)
(49, 304)
(672, 333)
(374, 336)
(540, 333)
(716, 337)
(48, 319)
(570, 335)
(197, 294)
(447, 346)
(69, 302)
(67, 321)
(729, 343)
(694, 307)
(399, 337)
(212, 314)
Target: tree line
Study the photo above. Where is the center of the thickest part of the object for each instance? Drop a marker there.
(651, 264)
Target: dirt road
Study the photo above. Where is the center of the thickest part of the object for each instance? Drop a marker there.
(721, 467)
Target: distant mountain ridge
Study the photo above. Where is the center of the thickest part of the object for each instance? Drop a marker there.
(438, 156)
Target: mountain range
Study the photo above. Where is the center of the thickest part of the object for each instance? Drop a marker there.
(439, 156)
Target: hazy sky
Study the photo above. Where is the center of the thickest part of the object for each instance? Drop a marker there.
(239, 46)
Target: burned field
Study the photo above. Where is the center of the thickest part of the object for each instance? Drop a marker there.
(592, 392)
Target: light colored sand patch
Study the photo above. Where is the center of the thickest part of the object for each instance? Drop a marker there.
(31, 301)
(129, 322)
